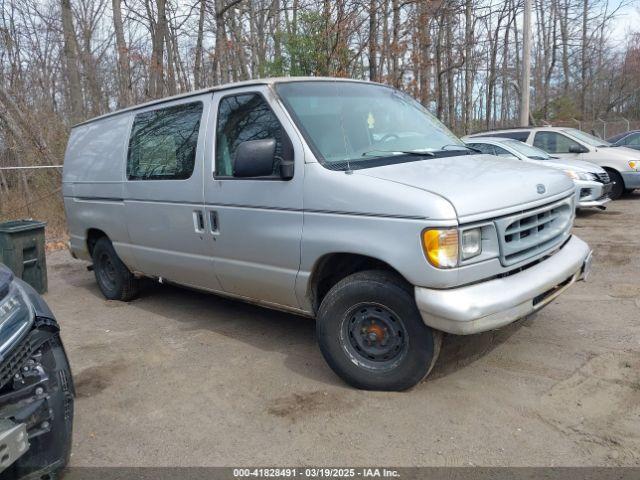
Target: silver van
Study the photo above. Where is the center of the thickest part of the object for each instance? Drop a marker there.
(342, 200)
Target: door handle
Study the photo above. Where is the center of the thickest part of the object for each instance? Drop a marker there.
(213, 222)
(198, 221)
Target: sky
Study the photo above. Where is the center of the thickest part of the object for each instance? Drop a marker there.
(628, 19)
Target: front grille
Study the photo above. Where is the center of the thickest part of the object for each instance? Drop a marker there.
(533, 232)
(603, 177)
(14, 362)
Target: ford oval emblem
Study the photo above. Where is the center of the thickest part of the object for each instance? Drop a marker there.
(540, 188)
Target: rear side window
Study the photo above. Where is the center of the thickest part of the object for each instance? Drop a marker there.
(163, 143)
(242, 118)
(553, 142)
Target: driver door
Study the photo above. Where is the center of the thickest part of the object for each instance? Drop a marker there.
(254, 224)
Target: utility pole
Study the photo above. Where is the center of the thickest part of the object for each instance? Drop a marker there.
(526, 65)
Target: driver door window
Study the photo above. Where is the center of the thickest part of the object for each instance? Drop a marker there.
(553, 142)
(242, 118)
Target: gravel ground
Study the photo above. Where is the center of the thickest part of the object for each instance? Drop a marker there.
(183, 378)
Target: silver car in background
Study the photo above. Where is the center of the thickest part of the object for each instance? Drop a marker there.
(592, 182)
(341, 200)
(621, 163)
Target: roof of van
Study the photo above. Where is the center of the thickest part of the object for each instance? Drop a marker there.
(259, 81)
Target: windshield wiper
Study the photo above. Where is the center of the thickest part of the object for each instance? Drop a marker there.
(420, 153)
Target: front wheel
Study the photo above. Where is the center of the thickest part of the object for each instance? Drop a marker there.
(617, 188)
(372, 335)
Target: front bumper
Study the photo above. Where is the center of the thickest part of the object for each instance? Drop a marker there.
(36, 395)
(592, 194)
(14, 442)
(631, 179)
(498, 302)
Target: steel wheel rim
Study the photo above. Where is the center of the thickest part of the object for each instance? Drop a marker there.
(374, 337)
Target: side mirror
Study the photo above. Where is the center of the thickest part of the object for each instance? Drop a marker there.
(254, 158)
(577, 149)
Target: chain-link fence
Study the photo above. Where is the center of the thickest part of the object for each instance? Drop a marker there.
(600, 128)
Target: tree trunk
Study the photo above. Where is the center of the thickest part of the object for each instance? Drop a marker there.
(197, 65)
(424, 47)
(71, 62)
(583, 61)
(468, 73)
(373, 41)
(156, 75)
(125, 93)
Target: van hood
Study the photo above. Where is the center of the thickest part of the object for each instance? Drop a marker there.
(477, 184)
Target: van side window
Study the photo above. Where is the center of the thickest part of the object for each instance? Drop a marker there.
(163, 143)
(241, 118)
(553, 142)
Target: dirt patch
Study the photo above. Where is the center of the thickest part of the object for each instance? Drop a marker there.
(599, 406)
(298, 405)
(614, 254)
(625, 290)
(93, 380)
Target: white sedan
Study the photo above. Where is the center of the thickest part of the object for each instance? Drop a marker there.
(592, 182)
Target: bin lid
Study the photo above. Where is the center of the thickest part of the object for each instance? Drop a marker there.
(20, 226)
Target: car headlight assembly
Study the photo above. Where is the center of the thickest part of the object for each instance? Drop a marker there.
(471, 243)
(441, 247)
(445, 248)
(15, 316)
(580, 175)
(634, 164)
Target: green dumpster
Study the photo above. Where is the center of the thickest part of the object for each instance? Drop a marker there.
(22, 250)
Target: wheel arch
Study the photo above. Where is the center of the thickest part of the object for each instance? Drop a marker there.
(93, 235)
(333, 267)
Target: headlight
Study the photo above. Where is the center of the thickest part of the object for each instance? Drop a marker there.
(441, 247)
(580, 175)
(634, 164)
(471, 243)
(15, 316)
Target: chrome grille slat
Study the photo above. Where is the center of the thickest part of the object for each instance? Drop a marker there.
(532, 232)
(540, 220)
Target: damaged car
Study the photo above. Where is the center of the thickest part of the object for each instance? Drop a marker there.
(36, 387)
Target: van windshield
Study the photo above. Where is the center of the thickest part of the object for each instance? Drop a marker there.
(359, 125)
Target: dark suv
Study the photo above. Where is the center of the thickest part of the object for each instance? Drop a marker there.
(36, 387)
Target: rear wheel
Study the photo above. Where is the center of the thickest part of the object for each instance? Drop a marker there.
(372, 335)
(617, 189)
(115, 280)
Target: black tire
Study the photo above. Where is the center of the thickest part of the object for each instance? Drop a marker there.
(115, 280)
(617, 189)
(353, 325)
